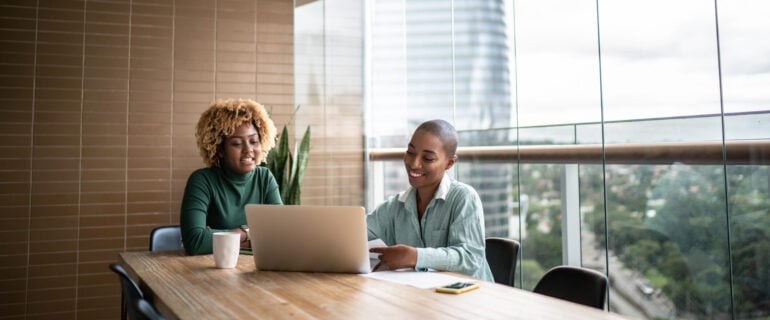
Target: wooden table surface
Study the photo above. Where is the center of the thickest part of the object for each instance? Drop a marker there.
(190, 287)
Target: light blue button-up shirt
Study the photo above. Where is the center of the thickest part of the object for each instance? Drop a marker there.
(450, 236)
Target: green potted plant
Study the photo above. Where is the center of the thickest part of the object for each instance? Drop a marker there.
(288, 167)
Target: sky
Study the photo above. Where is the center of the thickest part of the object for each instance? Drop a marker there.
(658, 59)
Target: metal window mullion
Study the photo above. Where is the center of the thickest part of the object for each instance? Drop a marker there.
(570, 218)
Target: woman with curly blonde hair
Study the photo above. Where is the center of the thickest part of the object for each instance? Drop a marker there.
(234, 137)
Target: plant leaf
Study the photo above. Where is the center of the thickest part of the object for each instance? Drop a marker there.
(298, 168)
(288, 167)
(287, 179)
(281, 153)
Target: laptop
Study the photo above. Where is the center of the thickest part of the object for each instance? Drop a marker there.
(308, 238)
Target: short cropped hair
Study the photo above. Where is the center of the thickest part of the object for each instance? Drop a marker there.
(221, 120)
(444, 131)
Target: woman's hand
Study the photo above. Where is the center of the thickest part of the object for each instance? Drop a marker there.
(396, 257)
(245, 243)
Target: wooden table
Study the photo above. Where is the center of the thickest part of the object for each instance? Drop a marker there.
(190, 287)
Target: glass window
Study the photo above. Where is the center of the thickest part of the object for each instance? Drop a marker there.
(745, 79)
(669, 151)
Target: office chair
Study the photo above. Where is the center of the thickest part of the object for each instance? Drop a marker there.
(130, 293)
(146, 311)
(502, 254)
(166, 238)
(580, 285)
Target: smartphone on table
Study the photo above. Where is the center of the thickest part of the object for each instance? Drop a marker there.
(458, 287)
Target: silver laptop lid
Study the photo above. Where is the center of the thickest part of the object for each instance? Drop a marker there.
(309, 238)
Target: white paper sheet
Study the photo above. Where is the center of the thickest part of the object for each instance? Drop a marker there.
(421, 280)
(374, 258)
(376, 243)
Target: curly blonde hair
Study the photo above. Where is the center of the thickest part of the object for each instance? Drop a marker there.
(222, 119)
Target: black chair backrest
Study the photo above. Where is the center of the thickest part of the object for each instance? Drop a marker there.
(579, 285)
(146, 311)
(166, 238)
(502, 254)
(130, 292)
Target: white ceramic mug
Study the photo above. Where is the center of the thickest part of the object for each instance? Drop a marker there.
(227, 246)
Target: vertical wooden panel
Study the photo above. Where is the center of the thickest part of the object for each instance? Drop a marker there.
(17, 48)
(102, 228)
(150, 122)
(275, 58)
(235, 48)
(98, 103)
(105, 100)
(194, 86)
(56, 159)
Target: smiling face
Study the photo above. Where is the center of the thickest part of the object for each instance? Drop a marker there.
(239, 151)
(425, 161)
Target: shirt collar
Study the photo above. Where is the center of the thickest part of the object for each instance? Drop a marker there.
(441, 192)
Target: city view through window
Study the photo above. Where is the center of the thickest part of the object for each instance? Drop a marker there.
(646, 122)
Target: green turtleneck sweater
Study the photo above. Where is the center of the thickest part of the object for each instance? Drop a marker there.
(215, 198)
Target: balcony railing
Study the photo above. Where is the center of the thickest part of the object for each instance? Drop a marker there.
(737, 152)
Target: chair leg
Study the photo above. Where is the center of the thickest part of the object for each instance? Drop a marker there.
(123, 306)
